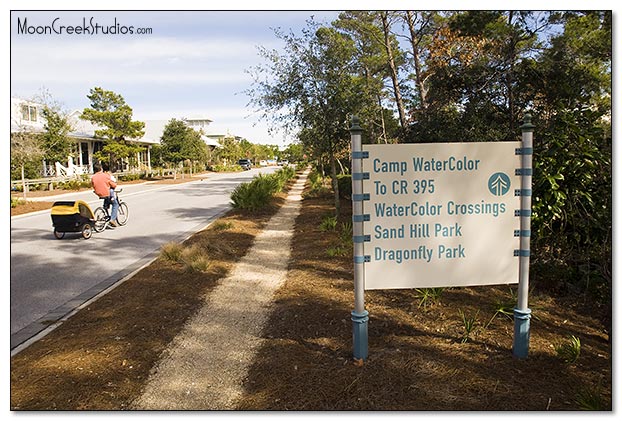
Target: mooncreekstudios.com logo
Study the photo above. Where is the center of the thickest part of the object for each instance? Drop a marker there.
(88, 26)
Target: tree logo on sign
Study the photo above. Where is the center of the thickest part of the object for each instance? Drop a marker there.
(499, 184)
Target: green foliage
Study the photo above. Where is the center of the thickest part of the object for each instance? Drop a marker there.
(180, 142)
(26, 150)
(55, 139)
(505, 307)
(590, 399)
(109, 110)
(469, 324)
(131, 177)
(311, 89)
(345, 235)
(317, 185)
(468, 76)
(428, 296)
(76, 183)
(225, 168)
(570, 350)
(343, 246)
(258, 193)
(329, 223)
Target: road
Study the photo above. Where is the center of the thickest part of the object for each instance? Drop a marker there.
(50, 277)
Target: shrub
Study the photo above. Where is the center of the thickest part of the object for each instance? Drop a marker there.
(171, 251)
(222, 226)
(224, 168)
(570, 350)
(194, 259)
(256, 194)
(318, 185)
(329, 223)
(130, 177)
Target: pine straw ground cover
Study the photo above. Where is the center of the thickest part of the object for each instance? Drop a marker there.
(420, 357)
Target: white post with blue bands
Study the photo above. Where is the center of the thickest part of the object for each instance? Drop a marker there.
(522, 313)
(359, 315)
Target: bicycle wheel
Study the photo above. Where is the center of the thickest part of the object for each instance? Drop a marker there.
(87, 231)
(101, 219)
(122, 214)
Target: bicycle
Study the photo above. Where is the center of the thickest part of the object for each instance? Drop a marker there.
(102, 217)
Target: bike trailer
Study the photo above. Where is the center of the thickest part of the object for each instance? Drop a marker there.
(72, 216)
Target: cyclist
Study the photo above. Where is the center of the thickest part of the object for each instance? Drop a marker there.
(102, 184)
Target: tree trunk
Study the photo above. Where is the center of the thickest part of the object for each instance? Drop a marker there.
(396, 88)
(24, 186)
(510, 76)
(423, 93)
(335, 184)
(384, 128)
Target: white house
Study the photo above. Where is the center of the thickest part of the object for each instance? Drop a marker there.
(155, 128)
(26, 116)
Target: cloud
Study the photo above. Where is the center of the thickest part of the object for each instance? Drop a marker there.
(149, 60)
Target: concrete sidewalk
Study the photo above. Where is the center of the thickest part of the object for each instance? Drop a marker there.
(206, 364)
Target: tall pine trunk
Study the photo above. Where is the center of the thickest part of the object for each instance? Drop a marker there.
(391, 61)
(414, 42)
(335, 183)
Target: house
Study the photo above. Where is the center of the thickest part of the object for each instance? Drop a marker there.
(26, 116)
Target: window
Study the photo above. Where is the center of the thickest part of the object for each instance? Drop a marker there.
(29, 112)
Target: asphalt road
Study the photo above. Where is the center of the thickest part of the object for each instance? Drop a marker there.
(50, 277)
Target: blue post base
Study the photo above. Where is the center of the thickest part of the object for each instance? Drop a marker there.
(521, 333)
(359, 333)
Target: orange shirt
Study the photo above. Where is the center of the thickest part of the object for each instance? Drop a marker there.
(102, 184)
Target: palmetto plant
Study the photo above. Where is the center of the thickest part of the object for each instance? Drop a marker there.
(570, 350)
(429, 296)
(469, 323)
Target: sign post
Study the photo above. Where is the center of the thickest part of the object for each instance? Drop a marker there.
(522, 313)
(359, 315)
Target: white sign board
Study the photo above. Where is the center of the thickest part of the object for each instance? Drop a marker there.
(441, 214)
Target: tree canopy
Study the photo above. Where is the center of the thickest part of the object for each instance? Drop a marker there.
(110, 112)
(432, 76)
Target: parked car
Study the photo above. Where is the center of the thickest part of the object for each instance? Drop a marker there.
(245, 164)
(263, 163)
(284, 162)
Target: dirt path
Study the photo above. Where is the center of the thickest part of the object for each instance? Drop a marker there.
(206, 364)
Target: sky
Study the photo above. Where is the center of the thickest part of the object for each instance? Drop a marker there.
(188, 64)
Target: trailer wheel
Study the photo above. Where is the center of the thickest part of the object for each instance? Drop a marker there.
(59, 234)
(87, 231)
